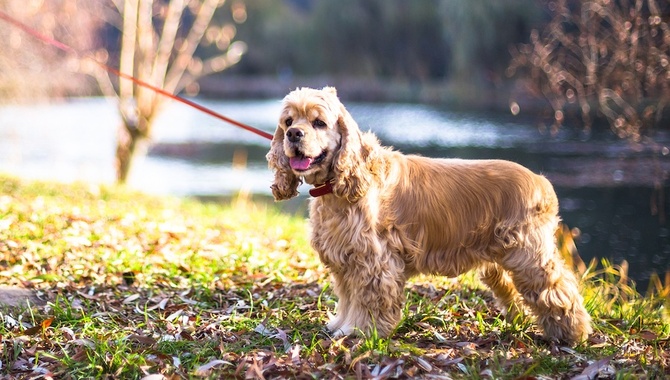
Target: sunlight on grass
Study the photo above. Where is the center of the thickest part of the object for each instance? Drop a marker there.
(135, 285)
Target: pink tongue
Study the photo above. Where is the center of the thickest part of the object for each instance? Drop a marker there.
(300, 163)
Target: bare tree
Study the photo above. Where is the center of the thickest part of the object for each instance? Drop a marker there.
(159, 39)
(603, 58)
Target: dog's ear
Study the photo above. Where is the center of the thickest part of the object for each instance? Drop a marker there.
(285, 185)
(352, 177)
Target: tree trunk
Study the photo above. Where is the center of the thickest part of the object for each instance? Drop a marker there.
(132, 134)
(126, 145)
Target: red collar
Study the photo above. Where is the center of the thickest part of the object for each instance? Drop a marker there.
(322, 189)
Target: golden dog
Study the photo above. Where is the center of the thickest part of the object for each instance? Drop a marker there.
(380, 217)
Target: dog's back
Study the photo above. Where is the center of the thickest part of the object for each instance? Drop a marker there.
(447, 206)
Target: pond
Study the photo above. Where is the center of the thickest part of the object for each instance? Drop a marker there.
(614, 193)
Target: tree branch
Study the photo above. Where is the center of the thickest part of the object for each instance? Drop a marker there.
(185, 55)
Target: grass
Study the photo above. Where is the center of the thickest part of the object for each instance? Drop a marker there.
(133, 285)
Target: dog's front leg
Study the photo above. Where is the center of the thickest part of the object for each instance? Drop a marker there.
(371, 297)
(341, 309)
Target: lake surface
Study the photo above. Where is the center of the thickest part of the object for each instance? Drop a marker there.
(615, 193)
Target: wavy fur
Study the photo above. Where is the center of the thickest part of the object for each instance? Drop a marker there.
(285, 185)
(392, 216)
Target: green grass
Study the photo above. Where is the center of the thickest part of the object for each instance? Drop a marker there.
(134, 285)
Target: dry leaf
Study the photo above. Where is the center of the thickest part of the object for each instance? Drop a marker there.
(591, 372)
(261, 329)
(33, 330)
(141, 339)
(424, 364)
(131, 298)
(155, 376)
(648, 335)
(47, 322)
(204, 369)
(295, 354)
(174, 315)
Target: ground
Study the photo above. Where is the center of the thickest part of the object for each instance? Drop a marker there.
(132, 286)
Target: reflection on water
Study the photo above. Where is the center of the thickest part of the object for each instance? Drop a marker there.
(67, 142)
(618, 223)
(608, 189)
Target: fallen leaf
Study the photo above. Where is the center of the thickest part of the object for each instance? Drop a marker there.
(131, 298)
(591, 372)
(204, 369)
(155, 376)
(10, 322)
(254, 371)
(47, 322)
(386, 371)
(281, 335)
(141, 339)
(375, 371)
(174, 315)
(439, 337)
(68, 333)
(597, 341)
(462, 367)
(648, 335)
(447, 362)
(33, 330)
(186, 336)
(572, 352)
(424, 364)
(466, 344)
(295, 354)
(88, 296)
(261, 329)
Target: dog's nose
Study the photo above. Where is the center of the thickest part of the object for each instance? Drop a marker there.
(294, 134)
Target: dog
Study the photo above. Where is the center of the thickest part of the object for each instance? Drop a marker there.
(379, 217)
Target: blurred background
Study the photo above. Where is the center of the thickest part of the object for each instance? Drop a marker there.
(576, 90)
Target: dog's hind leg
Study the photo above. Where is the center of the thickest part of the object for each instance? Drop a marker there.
(548, 286)
(508, 299)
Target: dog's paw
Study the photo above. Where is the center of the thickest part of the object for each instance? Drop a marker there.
(343, 331)
(334, 324)
(336, 334)
(339, 328)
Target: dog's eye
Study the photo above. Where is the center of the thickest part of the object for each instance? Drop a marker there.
(289, 121)
(318, 123)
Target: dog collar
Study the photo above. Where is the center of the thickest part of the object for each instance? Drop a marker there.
(322, 189)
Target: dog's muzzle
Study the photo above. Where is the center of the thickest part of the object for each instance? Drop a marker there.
(300, 162)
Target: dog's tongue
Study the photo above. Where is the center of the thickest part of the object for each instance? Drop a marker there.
(300, 163)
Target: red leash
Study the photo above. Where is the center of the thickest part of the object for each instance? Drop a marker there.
(71, 50)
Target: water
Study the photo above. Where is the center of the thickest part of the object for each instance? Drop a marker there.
(613, 192)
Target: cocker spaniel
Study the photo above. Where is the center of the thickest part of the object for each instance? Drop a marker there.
(378, 217)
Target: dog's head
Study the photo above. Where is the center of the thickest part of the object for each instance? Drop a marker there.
(318, 141)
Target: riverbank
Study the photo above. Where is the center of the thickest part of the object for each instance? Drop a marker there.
(137, 285)
(461, 95)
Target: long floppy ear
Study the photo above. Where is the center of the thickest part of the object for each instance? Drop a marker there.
(352, 176)
(285, 185)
